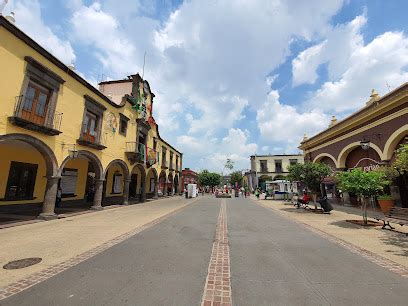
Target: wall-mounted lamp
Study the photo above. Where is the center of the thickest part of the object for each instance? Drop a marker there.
(72, 151)
(365, 144)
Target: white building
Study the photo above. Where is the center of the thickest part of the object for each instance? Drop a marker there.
(271, 167)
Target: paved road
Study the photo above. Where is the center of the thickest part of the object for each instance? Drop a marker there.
(273, 262)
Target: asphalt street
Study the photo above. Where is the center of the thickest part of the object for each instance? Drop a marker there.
(273, 262)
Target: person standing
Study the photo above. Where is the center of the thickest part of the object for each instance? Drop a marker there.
(59, 197)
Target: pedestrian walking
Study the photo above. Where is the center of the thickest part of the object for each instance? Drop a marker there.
(257, 193)
(59, 197)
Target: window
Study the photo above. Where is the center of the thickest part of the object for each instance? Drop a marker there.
(117, 183)
(123, 124)
(35, 103)
(278, 166)
(154, 144)
(21, 181)
(171, 160)
(263, 165)
(177, 162)
(90, 130)
(92, 124)
(293, 161)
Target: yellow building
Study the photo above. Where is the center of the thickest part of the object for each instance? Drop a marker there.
(59, 135)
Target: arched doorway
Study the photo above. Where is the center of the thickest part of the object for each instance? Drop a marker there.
(170, 185)
(359, 158)
(176, 184)
(81, 182)
(162, 183)
(137, 186)
(152, 182)
(29, 168)
(116, 184)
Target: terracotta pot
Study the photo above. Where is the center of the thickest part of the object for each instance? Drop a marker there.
(385, 205)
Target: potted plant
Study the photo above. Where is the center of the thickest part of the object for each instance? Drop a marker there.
(364, 184)
(386, 202)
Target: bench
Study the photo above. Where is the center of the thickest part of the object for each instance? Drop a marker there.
(396, 215)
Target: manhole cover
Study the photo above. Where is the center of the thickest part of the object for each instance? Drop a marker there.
(22, 263)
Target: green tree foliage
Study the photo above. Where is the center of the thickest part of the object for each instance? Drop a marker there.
(236, 177)
(401, 162)
(206, 178)
(363, 184)
(295, 173)
(312, 174)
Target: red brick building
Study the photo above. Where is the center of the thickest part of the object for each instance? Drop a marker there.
(189, 177)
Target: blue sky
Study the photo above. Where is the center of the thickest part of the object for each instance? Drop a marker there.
(232, 78)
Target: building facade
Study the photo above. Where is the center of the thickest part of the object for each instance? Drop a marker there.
(60, 135)
(189, 177)
(367, 138)
(271, 167)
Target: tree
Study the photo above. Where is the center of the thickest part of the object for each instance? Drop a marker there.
(295, 172)
(236, 177)
(229, 164)
(363, 184)
(401, 161)
(206, 178)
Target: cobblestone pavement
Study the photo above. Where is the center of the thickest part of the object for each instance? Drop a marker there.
(216, 252)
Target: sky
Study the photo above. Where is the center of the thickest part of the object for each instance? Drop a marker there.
(232, 78)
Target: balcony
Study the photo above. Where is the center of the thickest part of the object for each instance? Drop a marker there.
(135, 152)
(263, 170)
(171, 166)
(38, 118)
(165, 164)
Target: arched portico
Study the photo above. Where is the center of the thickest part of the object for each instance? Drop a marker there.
(41, 185)
(323, 156)
(162, 182)
(170, 185)
(176, 184)
(394, 140)
(152, 184)
(137, 187)
(341, 160)
(117, 182)
(87, 186)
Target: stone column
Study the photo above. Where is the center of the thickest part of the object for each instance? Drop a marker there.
(156, 190)
(49, 199)
(143, 191)
(97, 201)
(126, 192)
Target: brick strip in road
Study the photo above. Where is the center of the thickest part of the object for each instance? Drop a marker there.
(51, 271)
(374, 258)
(217, 290)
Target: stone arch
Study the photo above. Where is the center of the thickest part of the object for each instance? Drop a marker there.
(176, 184)
(152, 174)
(162, 182)
(141, 186)
(122, 164)
(341, 160)
(393, 141)
(322, 155)
(46, 152)
(99, 173)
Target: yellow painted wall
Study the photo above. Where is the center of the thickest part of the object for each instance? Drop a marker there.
(71, 103)
(82, 166)
(109, 180)
(10, 153)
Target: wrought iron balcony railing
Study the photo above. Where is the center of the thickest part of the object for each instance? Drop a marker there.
(36, 116)
(135, 152)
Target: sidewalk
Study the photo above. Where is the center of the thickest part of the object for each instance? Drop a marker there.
(59, 240)
(391, 245)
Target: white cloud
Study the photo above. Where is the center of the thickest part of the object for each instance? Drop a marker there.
(336, 50)
(279, 123)
(29, 19)
(265, 148)
(383, 60)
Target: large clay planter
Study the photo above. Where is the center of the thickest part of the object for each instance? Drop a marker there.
(385, 205)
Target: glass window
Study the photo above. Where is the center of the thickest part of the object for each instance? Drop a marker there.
(21, 181)
(123, 126)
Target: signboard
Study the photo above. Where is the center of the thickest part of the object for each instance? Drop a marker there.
(370, 164)
(69, 179)
(151, 157)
